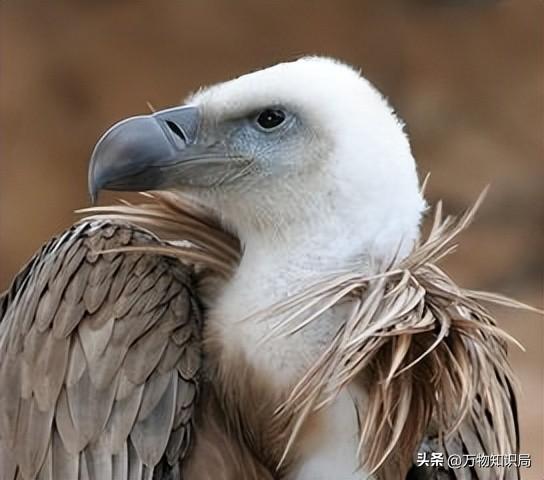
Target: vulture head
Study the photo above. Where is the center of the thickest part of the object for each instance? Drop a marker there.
(300, 146)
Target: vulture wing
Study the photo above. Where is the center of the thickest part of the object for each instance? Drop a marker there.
(99, 360)
(471, 446)
(467, 447)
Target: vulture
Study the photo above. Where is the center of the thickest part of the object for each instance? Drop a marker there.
(269, 311)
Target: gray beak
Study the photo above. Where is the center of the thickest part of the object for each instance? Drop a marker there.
(145, 152)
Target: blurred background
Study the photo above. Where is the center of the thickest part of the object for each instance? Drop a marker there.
(466, 76)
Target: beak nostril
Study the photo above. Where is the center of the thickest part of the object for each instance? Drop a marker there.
(176, 130)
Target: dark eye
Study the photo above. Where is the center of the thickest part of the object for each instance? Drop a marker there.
(270, 118)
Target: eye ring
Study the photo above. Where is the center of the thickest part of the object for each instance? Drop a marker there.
(270, 118)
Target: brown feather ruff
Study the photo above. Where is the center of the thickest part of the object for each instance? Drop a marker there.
(430, 356)
(204, 241)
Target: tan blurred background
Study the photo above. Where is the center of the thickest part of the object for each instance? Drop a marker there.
(467, 77)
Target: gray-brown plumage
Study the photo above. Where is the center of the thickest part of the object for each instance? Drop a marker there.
(100, 357)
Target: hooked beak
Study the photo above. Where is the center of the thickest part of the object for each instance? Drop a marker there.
(154, 152)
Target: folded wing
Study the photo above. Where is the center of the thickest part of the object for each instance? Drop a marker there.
(100, 356)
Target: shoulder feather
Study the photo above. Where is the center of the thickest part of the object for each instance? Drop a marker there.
(100, 358)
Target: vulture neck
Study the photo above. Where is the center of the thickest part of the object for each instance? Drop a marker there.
(276, 265)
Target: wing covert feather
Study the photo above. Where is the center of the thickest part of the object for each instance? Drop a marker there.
(472, 438)
(100, 358)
